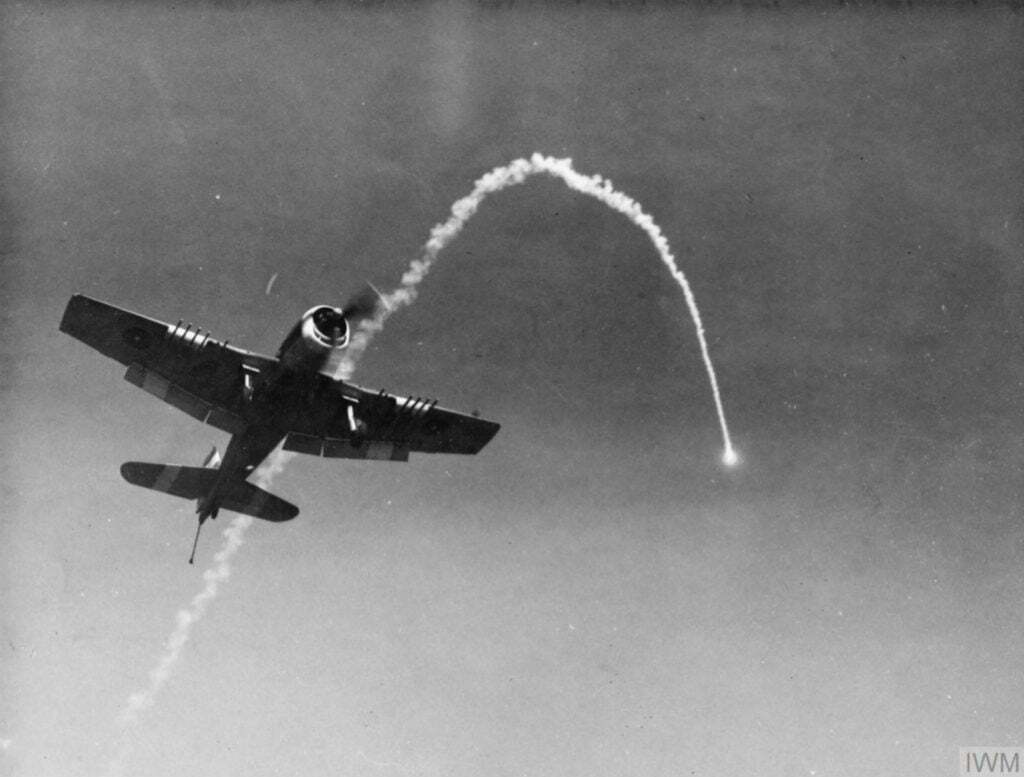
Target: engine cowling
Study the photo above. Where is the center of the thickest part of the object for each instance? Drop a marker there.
(320, 331)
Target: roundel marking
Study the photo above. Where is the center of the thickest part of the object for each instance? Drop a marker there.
(435, 426)
(204, 370)
(137, 337)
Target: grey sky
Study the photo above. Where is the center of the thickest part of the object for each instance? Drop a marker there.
(594, 594)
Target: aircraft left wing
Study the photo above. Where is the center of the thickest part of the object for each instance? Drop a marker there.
(342, 420)
(181, 365)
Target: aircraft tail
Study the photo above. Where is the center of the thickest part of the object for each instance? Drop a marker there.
(196, 483)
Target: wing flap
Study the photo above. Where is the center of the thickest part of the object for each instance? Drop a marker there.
(174, 395)
(336, 448)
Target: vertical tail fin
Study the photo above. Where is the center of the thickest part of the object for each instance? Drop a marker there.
(212, 460)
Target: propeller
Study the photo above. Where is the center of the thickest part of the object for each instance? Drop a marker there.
(364, 304)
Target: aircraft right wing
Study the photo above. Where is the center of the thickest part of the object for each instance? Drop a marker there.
(345, 421)
(190, 370)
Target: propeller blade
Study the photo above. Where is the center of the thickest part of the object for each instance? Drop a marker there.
(362, 305)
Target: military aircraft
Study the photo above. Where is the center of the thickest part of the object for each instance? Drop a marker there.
(262, 400)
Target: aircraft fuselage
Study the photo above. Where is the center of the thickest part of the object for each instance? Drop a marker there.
(274, 401)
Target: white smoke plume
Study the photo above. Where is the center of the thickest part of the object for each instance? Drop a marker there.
(187, 617)
(501, 178)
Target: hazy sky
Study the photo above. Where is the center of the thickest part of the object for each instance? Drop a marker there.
(594, 594)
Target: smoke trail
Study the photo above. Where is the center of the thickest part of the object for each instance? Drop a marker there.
(219, 573)
(509, 175)
(440, 236)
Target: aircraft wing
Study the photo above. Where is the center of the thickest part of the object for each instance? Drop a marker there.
(344, 421)
(180, 365)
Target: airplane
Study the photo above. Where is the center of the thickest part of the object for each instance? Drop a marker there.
(262, 401)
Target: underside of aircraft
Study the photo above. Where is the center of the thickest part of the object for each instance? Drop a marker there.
(262, 401)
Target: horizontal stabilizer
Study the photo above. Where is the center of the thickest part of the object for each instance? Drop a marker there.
(196, 483)
(186, 482)
(252, 500)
